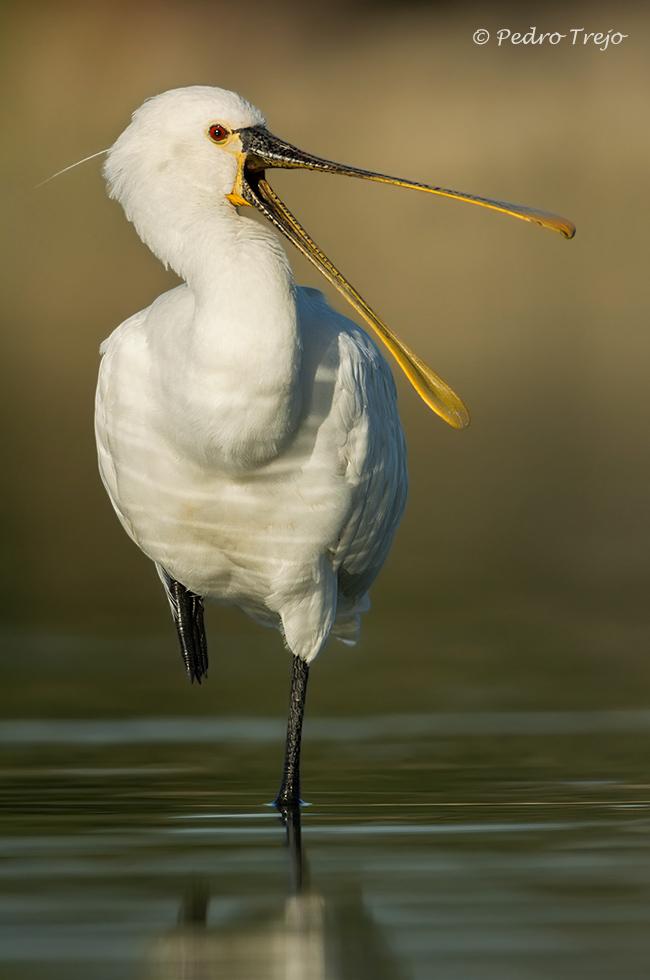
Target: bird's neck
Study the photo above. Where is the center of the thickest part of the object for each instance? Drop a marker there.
(241, 352)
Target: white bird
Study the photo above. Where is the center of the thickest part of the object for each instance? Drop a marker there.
(248, 434)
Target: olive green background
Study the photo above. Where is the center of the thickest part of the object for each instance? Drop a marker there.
(520, 574)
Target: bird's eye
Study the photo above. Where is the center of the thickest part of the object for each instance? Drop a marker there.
(218, 133)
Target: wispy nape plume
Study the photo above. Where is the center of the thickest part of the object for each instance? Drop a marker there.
(71, 167)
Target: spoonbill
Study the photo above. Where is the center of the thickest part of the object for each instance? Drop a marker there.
(247, 433)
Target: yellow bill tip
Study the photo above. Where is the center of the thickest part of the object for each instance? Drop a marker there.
(554, 222)
(461, 420)
(449, 408)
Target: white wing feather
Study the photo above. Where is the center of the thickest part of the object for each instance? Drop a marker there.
(373, 454)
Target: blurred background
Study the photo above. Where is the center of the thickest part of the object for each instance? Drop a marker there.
(521, 568)
(523, 559)
(478, 765)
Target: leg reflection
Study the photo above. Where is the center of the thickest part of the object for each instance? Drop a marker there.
(238, 932)
(298, 877)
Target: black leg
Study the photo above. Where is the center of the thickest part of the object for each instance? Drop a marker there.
(289, 795)
(191, 631)
(187, 610)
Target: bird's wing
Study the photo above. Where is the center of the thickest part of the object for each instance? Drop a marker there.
(372, 452)
(187, 610)
(375, 455)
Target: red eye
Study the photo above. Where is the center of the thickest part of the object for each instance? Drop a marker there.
(218, 133)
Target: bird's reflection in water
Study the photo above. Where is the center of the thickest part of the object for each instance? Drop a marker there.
(310, 938)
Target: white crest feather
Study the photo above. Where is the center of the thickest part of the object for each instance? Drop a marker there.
(71, 167)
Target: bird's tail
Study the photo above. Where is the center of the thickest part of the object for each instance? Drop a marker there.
(347, 627)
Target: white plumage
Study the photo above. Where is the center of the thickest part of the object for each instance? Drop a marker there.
(248, 434)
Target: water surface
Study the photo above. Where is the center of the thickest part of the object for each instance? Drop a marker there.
(457, 845)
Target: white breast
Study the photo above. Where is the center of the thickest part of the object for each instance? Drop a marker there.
(295, 538)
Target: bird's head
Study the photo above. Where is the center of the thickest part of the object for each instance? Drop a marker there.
(191, 153)
(178, 160)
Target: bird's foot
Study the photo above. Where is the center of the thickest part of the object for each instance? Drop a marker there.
(283, 803)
